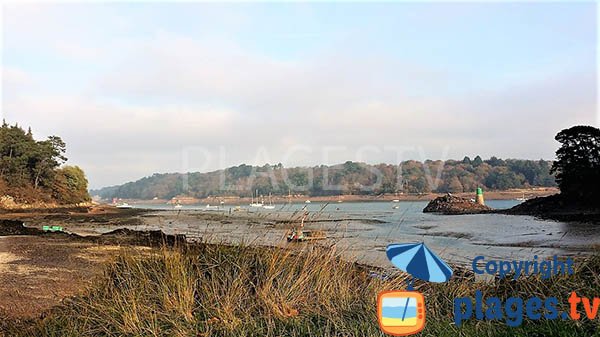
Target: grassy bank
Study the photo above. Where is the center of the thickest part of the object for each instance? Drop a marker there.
(212, 290)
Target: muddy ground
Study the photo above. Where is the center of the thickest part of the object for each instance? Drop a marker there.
(39, 269)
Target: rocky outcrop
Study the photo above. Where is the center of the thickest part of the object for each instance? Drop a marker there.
(557, 207)
(450, 204)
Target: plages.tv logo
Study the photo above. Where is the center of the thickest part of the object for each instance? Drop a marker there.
(402, 312)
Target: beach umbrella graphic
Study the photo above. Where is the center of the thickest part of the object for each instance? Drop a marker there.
(419, 261)
(402, 313)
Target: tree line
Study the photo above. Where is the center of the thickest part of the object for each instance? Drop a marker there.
(348, 178)
(31, 171)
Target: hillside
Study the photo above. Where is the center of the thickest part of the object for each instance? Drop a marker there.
(31, 171)
(348, 178)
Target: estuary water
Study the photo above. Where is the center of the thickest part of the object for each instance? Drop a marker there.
(364, 229)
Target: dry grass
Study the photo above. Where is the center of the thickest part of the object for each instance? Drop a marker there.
(216, 290)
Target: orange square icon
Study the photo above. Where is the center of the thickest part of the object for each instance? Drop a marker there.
(401, 313)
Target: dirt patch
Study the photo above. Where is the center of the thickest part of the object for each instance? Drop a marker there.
(36, 273)
(39, 269)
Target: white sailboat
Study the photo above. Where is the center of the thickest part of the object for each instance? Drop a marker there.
(522, 198)
(257, 203)
(270, 205)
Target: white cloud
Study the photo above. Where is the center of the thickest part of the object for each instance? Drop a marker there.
(147, 98)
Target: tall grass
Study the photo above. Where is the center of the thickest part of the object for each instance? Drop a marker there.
(217, 290)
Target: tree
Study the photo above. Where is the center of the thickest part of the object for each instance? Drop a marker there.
(494, 161)
(477, 161)
(466, 160)
(351, 177)
(70, 185)
(577, 166)
(455, 186)
(29, 169)
(46, 157)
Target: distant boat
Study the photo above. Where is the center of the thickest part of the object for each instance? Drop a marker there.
(209, 207)
(124, 205)
(270, 205)
(522, 198)
(395, 207)
(307, 202)
(396, 200)
(257, 203)
(178, 206)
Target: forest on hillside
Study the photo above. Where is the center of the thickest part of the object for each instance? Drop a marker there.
(31, 170)
(347, 178)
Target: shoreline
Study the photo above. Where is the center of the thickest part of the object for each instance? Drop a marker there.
(234, 200)
(92, 239)
(361, 234)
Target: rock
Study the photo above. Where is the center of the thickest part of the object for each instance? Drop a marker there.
(450, 204)
(14, 227)
(558, 207)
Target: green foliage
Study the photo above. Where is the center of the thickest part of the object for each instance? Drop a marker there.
(577, 166)
(347, 178)
(29, 169)
(70, 185)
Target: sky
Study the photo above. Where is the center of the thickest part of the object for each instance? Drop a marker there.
(139, 88)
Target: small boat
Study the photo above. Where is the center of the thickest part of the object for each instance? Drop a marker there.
(209, 207)
(395, 207)
(307, 202)
(257, 203)
(124, 205)
(396, 200)
(521, 199)
(270, 205)
(178, 206)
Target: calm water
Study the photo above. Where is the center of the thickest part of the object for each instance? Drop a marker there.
(365, 228)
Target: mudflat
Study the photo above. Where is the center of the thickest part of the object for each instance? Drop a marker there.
(37, 272)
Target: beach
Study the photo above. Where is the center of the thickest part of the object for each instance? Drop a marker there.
(42, 271)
